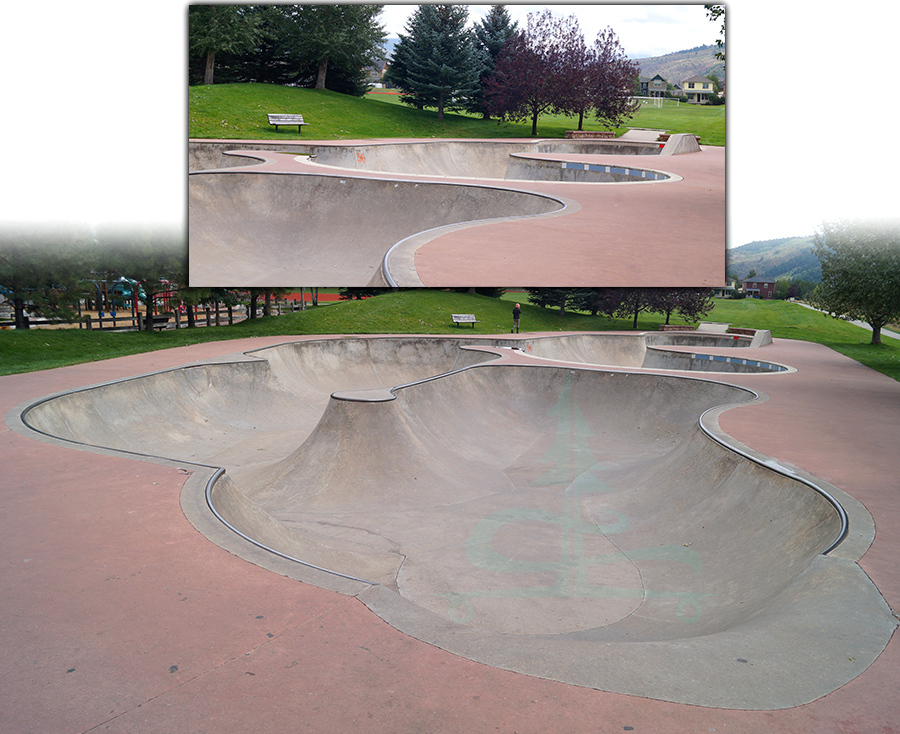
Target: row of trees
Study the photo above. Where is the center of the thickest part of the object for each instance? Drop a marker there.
(320, 46)
(499, 70)
(692, 304)
(47, 273)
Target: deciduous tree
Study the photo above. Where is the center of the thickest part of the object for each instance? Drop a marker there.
(45, 271)
(220, 28)
(528, 79)
(611, 79)
(346, 37)
(860, 271)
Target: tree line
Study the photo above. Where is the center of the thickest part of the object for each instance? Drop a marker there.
(692, 304)
(493, 68)
(498, 70)
(319, 46)
(47, 273)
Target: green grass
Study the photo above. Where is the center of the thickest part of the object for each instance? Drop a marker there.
(792, 321)
(428, 312)
(239, 111)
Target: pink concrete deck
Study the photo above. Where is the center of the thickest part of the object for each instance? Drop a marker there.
(117, 615)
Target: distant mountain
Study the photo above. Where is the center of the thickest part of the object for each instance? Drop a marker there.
(791, 258)
(681, 65)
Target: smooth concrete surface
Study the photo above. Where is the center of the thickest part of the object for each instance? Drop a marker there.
(284, 229)
(493, 506)
(602, 238)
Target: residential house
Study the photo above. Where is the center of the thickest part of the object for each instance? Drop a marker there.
(697, 89)
(726, 291)
(759, 288)
(653, 87)
(375, 74)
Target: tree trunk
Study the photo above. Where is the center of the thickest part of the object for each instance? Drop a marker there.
(21, 318)
(534, 119)
(323, 70)
(148, 318)
(876, 333)
(580, 119)
(441, 106)
(210, 67)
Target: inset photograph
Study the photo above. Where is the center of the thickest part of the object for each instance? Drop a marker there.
(539, 151)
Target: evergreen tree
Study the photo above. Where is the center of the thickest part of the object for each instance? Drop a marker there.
(397, 74)
(491, 35)
(436, 64)
(561, 298)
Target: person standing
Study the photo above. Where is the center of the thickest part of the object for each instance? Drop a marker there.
(517, 312)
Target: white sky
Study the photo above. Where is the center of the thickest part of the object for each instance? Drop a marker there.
(643, 30)
(94, 115)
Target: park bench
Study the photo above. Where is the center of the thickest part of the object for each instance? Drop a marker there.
(464, 318)
(160, 321)
(280, 119)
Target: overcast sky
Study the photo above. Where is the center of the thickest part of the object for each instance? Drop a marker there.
(643, 30)
(94, 122)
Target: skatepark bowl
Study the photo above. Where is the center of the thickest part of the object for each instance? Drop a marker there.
(562, 506)
(323, 228)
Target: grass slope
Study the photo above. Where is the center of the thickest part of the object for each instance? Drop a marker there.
(428, 312)
(238, 111)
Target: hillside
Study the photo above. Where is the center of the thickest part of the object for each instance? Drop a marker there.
(789, 257)
(681, 65)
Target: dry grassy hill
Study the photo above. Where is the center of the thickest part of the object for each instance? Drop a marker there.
(681, 65)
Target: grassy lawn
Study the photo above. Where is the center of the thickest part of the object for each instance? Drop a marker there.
(428, 312)
(792, 321)
(239, 111)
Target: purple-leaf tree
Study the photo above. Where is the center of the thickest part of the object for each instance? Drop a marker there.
(612, 80)
(530, 76)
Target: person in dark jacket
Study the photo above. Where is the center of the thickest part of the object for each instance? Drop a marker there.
(517, 312)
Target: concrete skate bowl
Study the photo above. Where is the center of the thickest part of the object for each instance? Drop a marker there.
(496, 160)
(280, 229)
(654, 351)
(583, 525)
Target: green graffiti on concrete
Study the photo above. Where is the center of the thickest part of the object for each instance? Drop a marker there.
(575, 469)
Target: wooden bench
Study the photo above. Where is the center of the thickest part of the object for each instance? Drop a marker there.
(297, 120)
(464, 318)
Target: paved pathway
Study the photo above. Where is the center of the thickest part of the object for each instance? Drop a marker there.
(118, 616)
